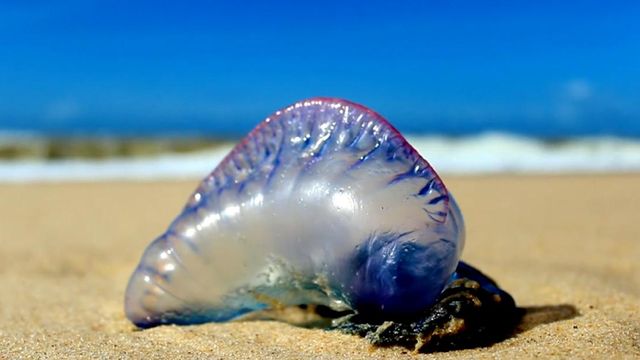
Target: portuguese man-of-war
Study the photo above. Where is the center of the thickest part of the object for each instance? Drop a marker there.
(323, 203)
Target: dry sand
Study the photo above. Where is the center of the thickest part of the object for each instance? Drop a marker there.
(566, 247)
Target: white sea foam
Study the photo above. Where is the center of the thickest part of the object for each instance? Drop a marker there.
(503, 153)
(482, 154)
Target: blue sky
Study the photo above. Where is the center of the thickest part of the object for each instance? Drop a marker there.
(544, 68)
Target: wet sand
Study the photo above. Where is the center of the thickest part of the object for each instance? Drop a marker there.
(566, 247)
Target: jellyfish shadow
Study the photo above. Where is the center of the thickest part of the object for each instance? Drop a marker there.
(532, 316)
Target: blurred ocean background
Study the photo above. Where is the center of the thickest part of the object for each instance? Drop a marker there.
(161, 90)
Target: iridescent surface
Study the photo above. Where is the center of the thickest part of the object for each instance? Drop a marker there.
(323, 203)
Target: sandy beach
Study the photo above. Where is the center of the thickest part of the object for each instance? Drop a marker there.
(566, 247)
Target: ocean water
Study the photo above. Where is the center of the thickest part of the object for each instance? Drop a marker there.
(485, 153)
(556, 85)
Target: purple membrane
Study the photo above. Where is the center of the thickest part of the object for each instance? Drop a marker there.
(324, 202)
